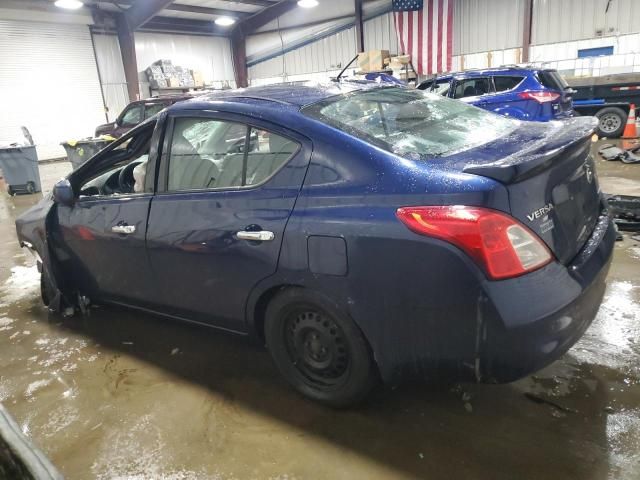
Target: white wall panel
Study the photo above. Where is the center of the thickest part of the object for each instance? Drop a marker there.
(483, 25)
(567, 20)
(380, 34)
(114, 83)
(210, 55)
(48, 83)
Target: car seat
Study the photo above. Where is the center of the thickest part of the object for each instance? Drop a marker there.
(188, 170)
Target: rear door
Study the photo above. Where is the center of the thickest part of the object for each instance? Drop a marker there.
(227, 186)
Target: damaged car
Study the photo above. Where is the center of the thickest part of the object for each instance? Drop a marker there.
(363, 232)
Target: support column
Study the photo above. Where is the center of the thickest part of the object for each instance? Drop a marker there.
(359, 26)
(239, 54)
(526, 30)
(128, 53)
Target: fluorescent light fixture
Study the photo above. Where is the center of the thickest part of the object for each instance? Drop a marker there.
(225, 21)
(69, 4)
(307, 3)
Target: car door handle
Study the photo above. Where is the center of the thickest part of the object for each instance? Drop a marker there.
(260, 236)
(124, 229)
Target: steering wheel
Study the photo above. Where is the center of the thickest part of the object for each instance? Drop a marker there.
(125, 178)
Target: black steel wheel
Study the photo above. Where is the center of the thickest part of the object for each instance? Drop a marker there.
(611, 122)
(318, 349)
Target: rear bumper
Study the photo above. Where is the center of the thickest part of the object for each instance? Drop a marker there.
(531, 321)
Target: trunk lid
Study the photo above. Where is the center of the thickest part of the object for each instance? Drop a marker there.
(551, 180)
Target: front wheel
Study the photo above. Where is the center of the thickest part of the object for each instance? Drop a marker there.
(611, 122)
(318, 349)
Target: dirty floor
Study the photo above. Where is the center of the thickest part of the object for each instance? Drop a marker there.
(128, 395)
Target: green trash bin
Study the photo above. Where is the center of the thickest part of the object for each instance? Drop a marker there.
(19, 165)
(80, 151)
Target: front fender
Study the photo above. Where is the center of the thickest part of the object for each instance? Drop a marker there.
(33, 230)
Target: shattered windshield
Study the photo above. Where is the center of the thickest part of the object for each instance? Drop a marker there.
(411, 122)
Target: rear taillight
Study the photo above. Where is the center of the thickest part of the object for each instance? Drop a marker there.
(541, 96)
(497, 242)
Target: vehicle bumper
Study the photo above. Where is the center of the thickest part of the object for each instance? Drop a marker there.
(533, 320)
(479, 330)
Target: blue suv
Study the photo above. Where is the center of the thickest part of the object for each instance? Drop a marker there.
(522, 93)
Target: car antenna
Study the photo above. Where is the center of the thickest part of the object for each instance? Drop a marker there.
(337, 79)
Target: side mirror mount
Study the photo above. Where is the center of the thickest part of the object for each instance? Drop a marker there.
(63, 193)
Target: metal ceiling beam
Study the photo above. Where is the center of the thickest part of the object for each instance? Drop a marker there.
(208, 11)
(185, 25)
(250, 24)
(142, 11)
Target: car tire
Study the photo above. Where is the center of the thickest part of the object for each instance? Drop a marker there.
(47, 290)
(611, 122)
(318, 349)
(31, 187)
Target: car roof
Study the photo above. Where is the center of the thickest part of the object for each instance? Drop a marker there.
(292, 95)
(505, 70)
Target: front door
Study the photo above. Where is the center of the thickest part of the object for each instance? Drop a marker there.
(101, 236)
(227, 188)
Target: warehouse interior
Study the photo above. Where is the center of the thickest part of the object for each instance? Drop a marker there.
(104, 391)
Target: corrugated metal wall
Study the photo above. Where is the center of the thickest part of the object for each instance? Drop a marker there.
(380, 34)
(328, 55)
(482, 25)
(566, 20)
(49, 83)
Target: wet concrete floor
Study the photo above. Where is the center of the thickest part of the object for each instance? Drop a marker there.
(128, 395)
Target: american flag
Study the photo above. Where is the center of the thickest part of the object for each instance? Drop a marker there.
(425, 31)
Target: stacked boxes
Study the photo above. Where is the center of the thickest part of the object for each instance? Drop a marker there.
(372, 61)
(163, 74)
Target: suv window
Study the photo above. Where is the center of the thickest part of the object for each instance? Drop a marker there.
(153, 108)
(132, 116)
(503, 84)
(472, 87)
(552, 79)
(212, 154)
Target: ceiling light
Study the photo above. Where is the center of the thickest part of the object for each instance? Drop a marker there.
(225, 21)
(307, 3)
(69, 4)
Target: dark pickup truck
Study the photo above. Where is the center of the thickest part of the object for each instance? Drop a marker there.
(136, 112)
(608, 98)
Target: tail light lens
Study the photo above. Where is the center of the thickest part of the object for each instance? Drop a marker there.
(541, 96)
(502, 246)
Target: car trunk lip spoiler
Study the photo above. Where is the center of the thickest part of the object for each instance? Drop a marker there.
(525, 164)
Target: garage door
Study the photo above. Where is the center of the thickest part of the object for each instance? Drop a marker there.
(48, 83)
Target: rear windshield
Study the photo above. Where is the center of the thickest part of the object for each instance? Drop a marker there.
(552, 79)
(411, 123)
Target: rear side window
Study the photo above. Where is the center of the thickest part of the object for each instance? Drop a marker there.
(552, 79)
(152, 109)
(411, 123)
(502, 84)
(132, 116)
(214, 154)
(472, 87)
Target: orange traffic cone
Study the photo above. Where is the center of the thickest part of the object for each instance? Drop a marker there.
(630, 130)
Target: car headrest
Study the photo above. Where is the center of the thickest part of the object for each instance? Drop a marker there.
(469, 91)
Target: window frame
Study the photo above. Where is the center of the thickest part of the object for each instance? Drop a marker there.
(165, 159)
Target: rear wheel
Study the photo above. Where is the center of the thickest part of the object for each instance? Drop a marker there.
(319, 350)
(31, 187)
(47, 290)
(611, 122)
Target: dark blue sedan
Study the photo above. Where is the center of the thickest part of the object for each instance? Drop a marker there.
(364, 232)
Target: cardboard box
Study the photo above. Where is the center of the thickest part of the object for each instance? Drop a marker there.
(376, 59)
(363, 61)
(198, 79)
